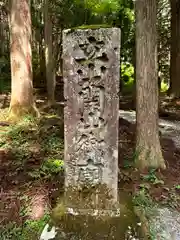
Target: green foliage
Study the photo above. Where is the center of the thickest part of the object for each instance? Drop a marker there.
(127, 74)
(143, 199)
(15, 139)
(34, 151)
(164, 86)
(10, 232)
(177, 187)
(65, 14)
(164, 34)
(34, 228)
(53, 165)
(103, 7)
(127, 163)
(151, 177)
(146, 209)
(41, 164)
(51, 143)
(48, 169)
(31, 229)
(125, 19)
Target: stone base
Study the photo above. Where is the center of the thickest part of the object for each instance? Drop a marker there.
(88, 227)
(94, 212)
(95, 200)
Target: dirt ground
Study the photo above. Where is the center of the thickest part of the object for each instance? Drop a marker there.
(163, 190)
(166, 187)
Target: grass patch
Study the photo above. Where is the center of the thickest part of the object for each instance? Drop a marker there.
(31, 229)
(29, 137)
(48, 169)
(4, 114)
(33, 151)
(146, 209)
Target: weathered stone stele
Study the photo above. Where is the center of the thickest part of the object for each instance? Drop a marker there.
(91, 60)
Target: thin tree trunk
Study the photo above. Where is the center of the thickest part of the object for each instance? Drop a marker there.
(21, 59)
(175, 49)
(58, 52)
(2, 33)
(49, 58)
(148, 147)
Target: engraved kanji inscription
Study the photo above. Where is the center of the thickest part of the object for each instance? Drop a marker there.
(91, 75)
(90, 173)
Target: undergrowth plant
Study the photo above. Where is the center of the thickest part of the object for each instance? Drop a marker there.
(20, 138)
(146, 209)
(48, 169)
(34, 155)
(30, 230)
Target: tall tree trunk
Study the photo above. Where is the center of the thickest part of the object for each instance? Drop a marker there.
(49, 58)
(175, 49)
(21, 59)
(2, 32)
(148, 147)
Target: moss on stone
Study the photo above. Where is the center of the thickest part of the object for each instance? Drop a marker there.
(90, 197)
(59, 211)
(93, 27)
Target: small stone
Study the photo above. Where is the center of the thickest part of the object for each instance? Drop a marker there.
(46, 235)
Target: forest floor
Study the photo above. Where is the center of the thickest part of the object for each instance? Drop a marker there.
(162, 186)
(31, 167)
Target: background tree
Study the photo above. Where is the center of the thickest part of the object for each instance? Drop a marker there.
(49, 56)
(164, 35)
(175, 49)
(22, 101)
(147, 142)
(4, 48)
(65, 14)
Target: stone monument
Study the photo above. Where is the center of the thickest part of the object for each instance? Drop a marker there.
(91, 63)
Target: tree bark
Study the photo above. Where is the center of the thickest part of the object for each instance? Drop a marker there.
(175, 49)
(2, 33)
(148, 149)
(49, 58)
(22, 101)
